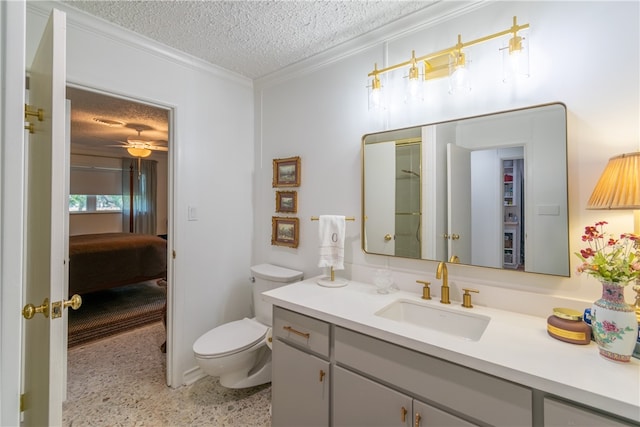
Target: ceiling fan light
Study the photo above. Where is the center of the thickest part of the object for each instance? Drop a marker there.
(139, 152)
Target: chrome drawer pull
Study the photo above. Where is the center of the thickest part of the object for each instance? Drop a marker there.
(293, 331)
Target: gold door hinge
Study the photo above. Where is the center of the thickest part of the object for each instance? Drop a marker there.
(32, 111)
(173, 253)
(22, 404)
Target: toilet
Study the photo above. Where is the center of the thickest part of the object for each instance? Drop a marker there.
(239, 352)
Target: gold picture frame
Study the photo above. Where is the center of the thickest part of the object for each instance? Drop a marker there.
(286, 172)
(286, 201)
(285, 231)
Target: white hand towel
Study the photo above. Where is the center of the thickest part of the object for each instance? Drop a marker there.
(331, 233)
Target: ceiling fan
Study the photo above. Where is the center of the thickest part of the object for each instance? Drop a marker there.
(139, 147)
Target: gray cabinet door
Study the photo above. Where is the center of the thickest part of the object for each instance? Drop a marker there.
(299, 388)
(358, 401)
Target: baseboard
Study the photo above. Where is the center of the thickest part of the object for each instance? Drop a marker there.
(192, 375)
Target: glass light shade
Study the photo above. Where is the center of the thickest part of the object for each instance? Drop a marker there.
(139, 152)
(376, 95)
(414, 86)
(515, 56)
(458, 73)
(619, 184)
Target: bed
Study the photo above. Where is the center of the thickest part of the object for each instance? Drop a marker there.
(108, 260)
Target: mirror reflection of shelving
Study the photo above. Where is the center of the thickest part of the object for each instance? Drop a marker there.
(512, 185)
(408, 199)
(508, 183)
(509, 248)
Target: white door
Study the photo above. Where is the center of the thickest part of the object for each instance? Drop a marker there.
(459, 202)
(380, 196)
(45, 228)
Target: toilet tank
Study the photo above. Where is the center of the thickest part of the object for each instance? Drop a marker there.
(266, 277)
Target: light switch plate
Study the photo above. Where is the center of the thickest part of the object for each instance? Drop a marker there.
(193, 213)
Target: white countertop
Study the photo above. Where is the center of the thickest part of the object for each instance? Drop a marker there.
(515, 347)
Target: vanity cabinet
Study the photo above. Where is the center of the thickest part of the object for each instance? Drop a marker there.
(300, 370)
(328, 375)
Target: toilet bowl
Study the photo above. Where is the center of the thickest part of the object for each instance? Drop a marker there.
(239, 352)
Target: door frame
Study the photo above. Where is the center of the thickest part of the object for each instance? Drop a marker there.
(12, 137)
(171, 162)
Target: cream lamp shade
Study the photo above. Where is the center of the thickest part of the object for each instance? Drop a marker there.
(619, 184)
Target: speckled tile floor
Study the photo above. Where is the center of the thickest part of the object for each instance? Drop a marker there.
(119, 381)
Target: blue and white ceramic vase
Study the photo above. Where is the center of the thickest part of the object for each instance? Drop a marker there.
(614, 323)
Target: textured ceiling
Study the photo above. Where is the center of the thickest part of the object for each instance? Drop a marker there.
(252, 38)
(87, 134)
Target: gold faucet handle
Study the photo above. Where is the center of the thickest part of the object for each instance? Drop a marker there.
(466, 297)
(426, 290)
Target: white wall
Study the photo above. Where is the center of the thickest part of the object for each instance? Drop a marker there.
(212, 162)
(584, 54)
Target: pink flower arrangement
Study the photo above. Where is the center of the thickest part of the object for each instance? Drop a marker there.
(607, 258)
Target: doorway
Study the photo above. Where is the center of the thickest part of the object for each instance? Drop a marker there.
(108, 132)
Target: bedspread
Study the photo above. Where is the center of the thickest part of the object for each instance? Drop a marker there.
(108, 260)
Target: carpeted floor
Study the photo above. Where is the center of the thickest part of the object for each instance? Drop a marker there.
(113, 311)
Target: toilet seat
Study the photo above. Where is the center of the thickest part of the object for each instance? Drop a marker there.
(230, 338)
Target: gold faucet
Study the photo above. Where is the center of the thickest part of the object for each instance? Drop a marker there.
(441, 273)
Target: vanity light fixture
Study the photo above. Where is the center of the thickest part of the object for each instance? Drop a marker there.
(451, 62)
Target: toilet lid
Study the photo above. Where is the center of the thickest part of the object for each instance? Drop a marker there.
(230, 338)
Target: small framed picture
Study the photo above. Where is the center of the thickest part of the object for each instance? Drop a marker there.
(285, 231)
(286, 201)
(286, 172)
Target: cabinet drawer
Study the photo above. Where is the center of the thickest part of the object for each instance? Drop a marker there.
(463, 390)
(301, 331)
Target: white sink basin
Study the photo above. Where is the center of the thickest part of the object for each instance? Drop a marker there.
(470, 326)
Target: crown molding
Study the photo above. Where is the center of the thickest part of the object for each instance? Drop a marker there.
(435, 13)
(85, 22)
